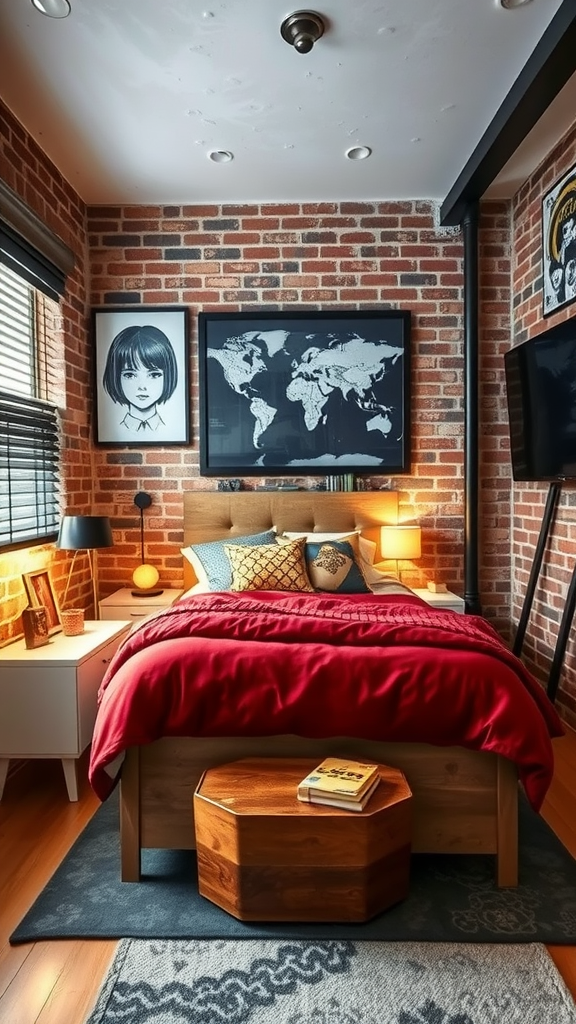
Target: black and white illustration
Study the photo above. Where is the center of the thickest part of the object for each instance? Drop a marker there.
(304, 392)
(141, 376)
(559, 243)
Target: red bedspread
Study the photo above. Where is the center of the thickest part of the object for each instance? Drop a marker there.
(383, 668)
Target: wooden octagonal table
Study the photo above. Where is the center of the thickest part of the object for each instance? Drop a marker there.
(263, 855)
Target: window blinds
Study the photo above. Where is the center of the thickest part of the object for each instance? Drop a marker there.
(29, 426)
(29, 263)
(30, 248)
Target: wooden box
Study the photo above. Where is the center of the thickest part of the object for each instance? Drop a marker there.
(265, 856)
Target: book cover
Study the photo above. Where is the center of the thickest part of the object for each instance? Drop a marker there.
(336, 800)
(338, 776)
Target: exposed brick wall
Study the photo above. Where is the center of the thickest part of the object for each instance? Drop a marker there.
(312, 255)
(528, 499)
(347, 255)
(26, 169)
(494, 450)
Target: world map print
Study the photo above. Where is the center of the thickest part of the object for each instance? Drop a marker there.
(284, 398)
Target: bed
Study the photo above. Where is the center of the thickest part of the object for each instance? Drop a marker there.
(465, 791)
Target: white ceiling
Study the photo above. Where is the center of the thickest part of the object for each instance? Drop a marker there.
(128, 97)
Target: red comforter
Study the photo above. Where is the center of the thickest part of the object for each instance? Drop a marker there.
(383, 668)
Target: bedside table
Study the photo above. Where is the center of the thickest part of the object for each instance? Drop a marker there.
(121, 604)
(48, 696)
(445, 600)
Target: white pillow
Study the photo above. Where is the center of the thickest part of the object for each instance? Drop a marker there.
(390, 585)
(198, 588)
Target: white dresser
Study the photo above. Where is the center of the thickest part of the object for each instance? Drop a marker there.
(48, 696)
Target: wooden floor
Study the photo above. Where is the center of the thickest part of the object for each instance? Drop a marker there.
(57, 982)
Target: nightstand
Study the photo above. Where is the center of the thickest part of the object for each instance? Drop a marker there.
(444, 600)
(122, 605)
(48, 696)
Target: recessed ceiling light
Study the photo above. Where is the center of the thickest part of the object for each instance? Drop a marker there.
(358, 152)
(220, 156)
(52, 8)
(509, 5)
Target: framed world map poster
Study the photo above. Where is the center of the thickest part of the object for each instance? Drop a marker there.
(304, 393)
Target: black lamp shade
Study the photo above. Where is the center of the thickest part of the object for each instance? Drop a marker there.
(77, 532)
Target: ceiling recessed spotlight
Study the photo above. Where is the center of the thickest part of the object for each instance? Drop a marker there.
(509, 5)
(220, 156)
(302, 29)
(52, 8)
(358, 152)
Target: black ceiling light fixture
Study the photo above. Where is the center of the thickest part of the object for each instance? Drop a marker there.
(302, 29)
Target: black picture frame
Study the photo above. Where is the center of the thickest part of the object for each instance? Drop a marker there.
(158, 337)
(295, 393)
(559, 244)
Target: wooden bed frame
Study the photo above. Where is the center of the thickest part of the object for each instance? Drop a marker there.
(464, 801)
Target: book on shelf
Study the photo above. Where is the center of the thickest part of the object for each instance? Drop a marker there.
(339, 777)
(337, 800)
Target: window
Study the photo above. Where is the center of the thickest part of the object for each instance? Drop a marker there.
(29, 423)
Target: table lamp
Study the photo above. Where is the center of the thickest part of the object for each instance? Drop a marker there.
(401, 543)
(145, 576)
(84, 533)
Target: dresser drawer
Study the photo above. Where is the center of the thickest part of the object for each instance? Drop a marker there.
(89, 676)
(129, 612)
(123, 605)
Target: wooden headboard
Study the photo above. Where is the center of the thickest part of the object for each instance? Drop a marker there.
(215, 515)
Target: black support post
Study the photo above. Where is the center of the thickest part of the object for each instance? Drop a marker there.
(547, 518)
(563, 634)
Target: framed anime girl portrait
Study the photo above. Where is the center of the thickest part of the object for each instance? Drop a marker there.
(141, 376)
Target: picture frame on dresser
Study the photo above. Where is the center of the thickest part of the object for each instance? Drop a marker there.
(304, 392)
(35, 623)
(38, 587)
(141, 376)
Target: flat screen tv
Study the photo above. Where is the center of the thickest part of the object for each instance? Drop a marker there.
(541, 396)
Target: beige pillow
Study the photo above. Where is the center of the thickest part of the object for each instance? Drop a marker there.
(269, 567)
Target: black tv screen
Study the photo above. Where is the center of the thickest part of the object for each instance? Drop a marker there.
(541, 396)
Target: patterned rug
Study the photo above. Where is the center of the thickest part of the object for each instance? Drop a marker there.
(331, 982)
(451, 898)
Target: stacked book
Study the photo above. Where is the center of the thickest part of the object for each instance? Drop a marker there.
(345, 482)
(339, 783)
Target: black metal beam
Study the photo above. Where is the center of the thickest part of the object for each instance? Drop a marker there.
(549, 67)
(547, 519)
(562, 639)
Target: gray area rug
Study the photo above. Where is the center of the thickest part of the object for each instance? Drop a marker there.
(451, 899)
(331, 982)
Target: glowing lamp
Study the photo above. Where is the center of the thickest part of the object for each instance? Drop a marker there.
(145, 576)
(402, 543)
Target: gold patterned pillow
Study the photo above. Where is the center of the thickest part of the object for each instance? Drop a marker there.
(269, 567)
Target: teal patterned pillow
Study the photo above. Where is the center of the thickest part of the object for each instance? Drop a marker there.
(332, 567)
(211, 563)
